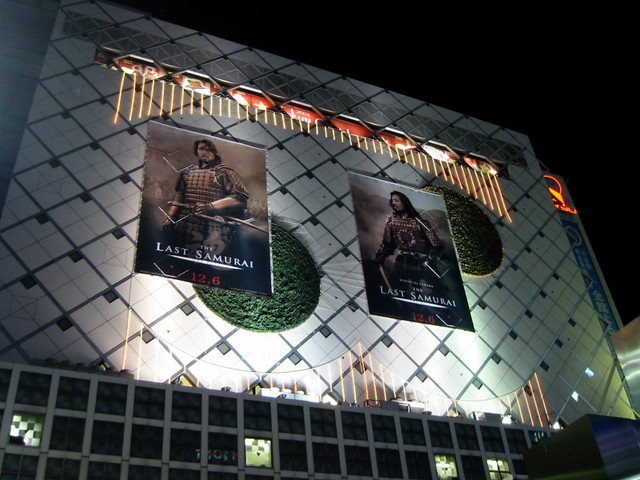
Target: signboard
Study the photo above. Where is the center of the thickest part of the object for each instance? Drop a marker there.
(204, 215)
(410, 266)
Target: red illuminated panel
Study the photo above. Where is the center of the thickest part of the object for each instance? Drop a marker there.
(396, 141)
(302, 114)
(351, 127)
(480, 165)
(196, 84)
(557, 194)
(441, 154)
(254, 100)
(132, 66)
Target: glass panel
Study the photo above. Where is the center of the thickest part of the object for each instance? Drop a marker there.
(257, 452)
(26, 429)
(446, 468)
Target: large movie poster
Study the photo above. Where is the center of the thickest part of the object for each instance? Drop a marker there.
(204, 216)
(411, 270)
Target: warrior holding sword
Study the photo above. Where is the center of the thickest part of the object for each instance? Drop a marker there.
(415, 243)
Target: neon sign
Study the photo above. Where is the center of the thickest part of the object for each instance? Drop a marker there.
(556, 189)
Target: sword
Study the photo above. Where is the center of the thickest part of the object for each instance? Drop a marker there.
(217, 218)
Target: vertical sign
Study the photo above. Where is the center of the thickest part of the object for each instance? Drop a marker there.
(410, 266)
(204, 216)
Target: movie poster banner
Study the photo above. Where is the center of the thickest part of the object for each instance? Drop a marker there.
(411, 270)
(204, 216)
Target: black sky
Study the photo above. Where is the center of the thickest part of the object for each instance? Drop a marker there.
(562, 78)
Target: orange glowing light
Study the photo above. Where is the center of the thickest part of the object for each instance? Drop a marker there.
(557, 195)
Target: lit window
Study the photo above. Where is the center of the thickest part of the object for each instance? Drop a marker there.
(575, 396)
(446, 468)
(257, 452)
(588, 372)
(499, 469)
(26, 429)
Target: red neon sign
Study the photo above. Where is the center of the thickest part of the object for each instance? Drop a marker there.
(555, 188)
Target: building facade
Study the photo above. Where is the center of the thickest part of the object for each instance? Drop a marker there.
(540, 352)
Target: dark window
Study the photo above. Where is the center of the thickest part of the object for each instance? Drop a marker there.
(146, 441)
(149, 403)
(467, 437)
(185, 445)
(186, 407)
(412, 431)
(519, 467)
(388, 463)
(183, 474)
(359, 460)
(223, 411)
(257, 415)
(290, 419)
(353, 426)
(384, 429)
(73, 394)
(107, 437)
(67, 433)
(516, 440)
(323, 422)
(33, 388)
(473, 467)
(418, 465)
(62, 469)
(326, 458)
(440, 434)
(144, 472)
(19, 467)
(111, 398)
(222, 449)
(103, 471)
(293, 455)
(222, 476)
(5, 378)
(492, 439)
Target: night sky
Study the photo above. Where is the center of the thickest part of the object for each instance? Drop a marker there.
(561, 79)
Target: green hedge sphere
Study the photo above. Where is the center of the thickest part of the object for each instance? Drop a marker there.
(296, 290)
(477, 240)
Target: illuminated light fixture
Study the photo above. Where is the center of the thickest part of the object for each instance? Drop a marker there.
(441, 152)
(195, 83)
(396, 140)
(304, 114)
(575, 396)
(557, 196)
(251, 98)
(480, 164)
(351, 125)
(588, 372)
(132, 65)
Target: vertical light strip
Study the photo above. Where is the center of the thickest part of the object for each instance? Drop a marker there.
(181, 101)
(119, 102)
(501, 196)
(153, 92)
(544, 402)
(479, 183)
(373, 379)
(161, 111)
(140, 350)
(173, 94)
(364, 371)
(526, 401)
(142, 86)
(344, 397)
(133, 96)
(353, 379)
(126, 339)
(201, 103)
(384, 385)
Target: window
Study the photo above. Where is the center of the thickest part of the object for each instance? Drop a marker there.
(492, 439)
(223, 411)
(257, 451)
(111, 398)
(293, 455)
(473, 467)
(499, 469)
(323, 422)
(440, 434)
(73, 394)
(358, 460)
(326, 458)
(290, 419)
(144, 472)
(388, 461)
(5, 378)
(186, 407)
(67, 433)
(26, 429)
(185, 445)
(418, 465)
(384, 429)
(62, 469)
(223, 449)
(107, 438)
(146, 441)
(354, 426)
(412, 431)
(257, 415)
(446, 468)
(149, 403)
(516, 440)
(19, 467)
(33, 388)
(467, 438)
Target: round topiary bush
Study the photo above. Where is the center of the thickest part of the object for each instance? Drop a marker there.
(296, 290)
(477, 240)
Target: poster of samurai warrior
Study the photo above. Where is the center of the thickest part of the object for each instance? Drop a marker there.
(204, 215)
(410, 266)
